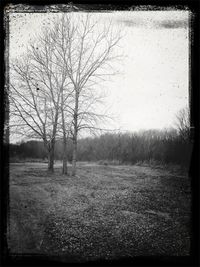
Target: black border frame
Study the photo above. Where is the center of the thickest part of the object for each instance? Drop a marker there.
(194, 258)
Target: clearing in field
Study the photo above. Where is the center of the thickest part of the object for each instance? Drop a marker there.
(104, 212)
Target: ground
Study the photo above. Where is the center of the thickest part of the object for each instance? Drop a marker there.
(105, 212)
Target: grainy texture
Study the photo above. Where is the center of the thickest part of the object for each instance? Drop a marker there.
(104, 212)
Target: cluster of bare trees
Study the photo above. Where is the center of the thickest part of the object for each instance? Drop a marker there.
(183, 124)
(52, 86)
(150, 146)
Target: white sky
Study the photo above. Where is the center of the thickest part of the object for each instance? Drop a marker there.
(154, 80)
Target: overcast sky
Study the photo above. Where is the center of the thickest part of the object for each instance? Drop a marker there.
(153, 84)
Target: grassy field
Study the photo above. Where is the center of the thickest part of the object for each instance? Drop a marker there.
(105, 212)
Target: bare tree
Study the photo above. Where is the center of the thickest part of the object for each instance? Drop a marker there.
(183, 124)
(36, 88)
(65, 125)
(87, 51)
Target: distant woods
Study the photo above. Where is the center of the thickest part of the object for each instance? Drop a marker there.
(119, 148)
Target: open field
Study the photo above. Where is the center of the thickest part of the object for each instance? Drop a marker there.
(105, 212)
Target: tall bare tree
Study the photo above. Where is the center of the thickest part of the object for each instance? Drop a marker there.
(36, 88)
(87, 49)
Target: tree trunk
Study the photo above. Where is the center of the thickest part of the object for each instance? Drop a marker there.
(64, 169)
(74, 157)
(51, 157)
(52, 145)
(51, 161)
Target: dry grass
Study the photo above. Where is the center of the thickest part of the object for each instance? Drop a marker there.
(105, 212)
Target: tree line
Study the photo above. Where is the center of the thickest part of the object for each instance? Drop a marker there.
(162, 146)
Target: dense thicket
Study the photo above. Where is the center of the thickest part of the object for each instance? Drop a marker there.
(162, 146)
